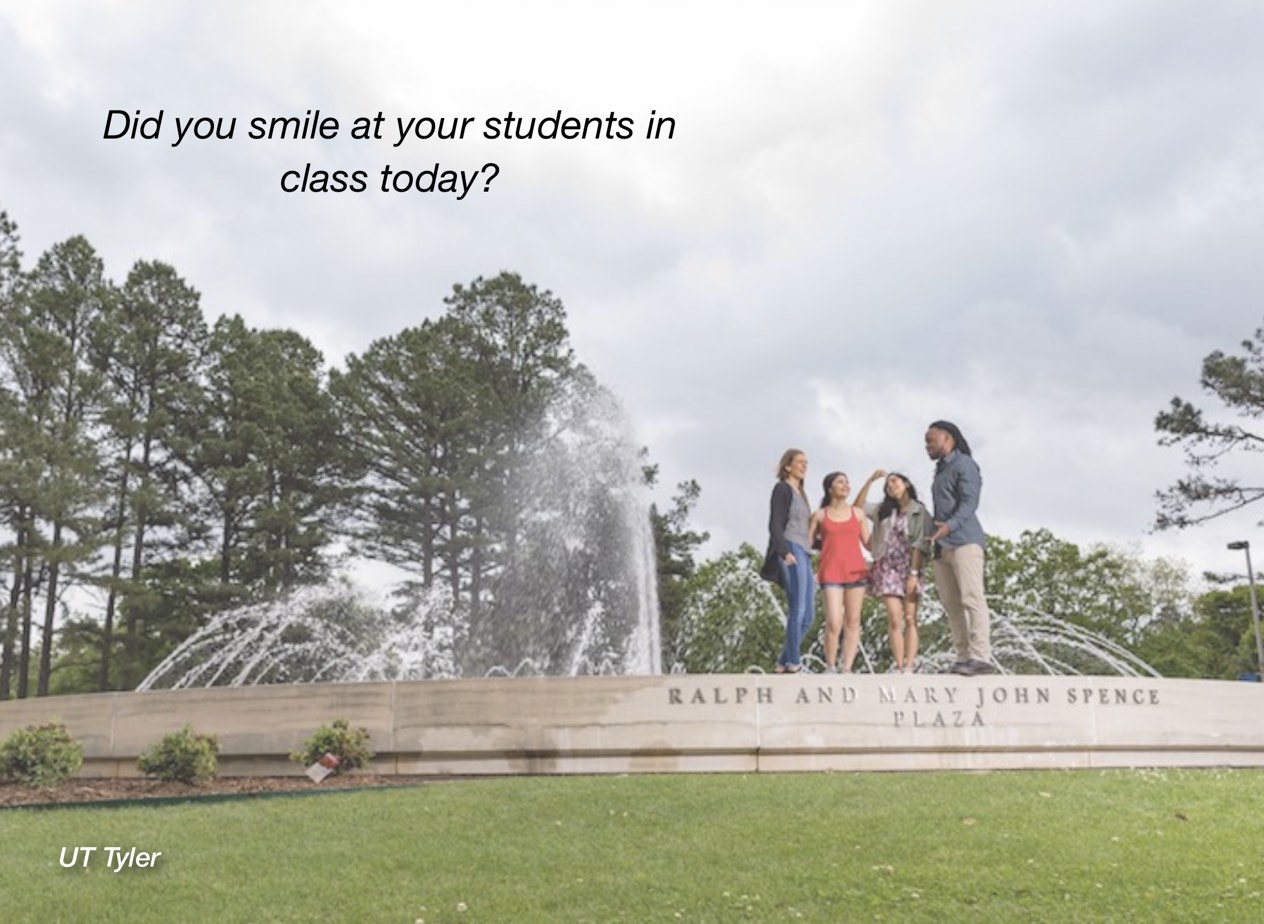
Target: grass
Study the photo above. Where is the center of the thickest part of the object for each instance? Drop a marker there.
(1176, 845)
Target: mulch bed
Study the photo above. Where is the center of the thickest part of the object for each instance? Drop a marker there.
(86, 791)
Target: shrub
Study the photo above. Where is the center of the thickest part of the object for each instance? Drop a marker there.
(183, 756)
(349, 745)
(40, 755)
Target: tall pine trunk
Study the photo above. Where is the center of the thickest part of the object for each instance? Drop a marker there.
(50, 615)
(116, 571)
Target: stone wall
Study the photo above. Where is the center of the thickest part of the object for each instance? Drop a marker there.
(736, 723)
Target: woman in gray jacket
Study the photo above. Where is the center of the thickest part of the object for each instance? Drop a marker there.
(900, 547)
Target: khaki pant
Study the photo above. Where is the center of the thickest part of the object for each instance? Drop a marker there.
(959, 580)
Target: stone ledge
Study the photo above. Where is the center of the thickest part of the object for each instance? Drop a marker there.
(689, 723)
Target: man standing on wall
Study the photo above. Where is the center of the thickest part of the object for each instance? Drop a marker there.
(959, 543)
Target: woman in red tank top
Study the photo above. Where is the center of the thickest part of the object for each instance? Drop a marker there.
(841, 570)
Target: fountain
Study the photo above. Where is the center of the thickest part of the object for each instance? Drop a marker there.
(736, 622)
(577, 593)
(1062, 697)
(1024, 641)
(1024, 636)
(327, 633)
(574, 593)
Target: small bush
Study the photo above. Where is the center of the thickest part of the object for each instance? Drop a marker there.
(183, 756)
(40, 755)
(349, 745)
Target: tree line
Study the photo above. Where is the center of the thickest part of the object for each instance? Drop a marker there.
(156, 468)
(729, 620)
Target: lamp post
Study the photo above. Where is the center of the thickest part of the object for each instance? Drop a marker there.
(1255, 607)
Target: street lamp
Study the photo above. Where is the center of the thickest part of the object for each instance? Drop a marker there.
(1255, 607)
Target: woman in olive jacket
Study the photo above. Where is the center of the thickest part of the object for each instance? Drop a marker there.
(900, 547)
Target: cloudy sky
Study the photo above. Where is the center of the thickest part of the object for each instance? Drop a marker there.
(1034, 219)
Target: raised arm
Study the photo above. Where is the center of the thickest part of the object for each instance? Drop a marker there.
(863, 494)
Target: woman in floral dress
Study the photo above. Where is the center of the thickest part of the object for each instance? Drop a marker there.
(900, 547)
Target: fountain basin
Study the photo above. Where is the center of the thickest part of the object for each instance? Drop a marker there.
(686, 723)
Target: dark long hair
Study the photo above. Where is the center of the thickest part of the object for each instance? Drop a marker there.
(889, 504)
(827, 483)
(958, 441)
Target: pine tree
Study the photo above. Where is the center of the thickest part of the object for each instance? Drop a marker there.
(51, 415)
(264, 448)
(1237, 382)
(150, 349)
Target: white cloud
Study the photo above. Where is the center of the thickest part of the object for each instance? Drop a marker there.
(1033, 219)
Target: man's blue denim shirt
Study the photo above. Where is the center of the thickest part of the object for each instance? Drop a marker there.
(955, 493)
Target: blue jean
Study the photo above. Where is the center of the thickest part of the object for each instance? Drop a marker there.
(797, 581)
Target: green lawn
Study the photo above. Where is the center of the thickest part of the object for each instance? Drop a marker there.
(944, 847)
